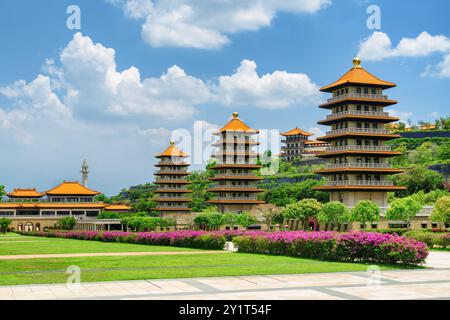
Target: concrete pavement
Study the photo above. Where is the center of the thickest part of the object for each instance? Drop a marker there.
(432, 283)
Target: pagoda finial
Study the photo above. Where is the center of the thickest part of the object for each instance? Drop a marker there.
(235, 115)
(357, 62)
(172, 142)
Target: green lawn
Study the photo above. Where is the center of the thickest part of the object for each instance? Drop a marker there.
(12, 245)
(52, 270)
(160, 267)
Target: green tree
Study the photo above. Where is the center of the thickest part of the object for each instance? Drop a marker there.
(66, 223)
(444, 151)
(416, 179)
(199, 185)
(4, 224)
(424, 154)
(289, 193)
(364, 212)
(404, 209)
(333, 213)
(2, 191)
(441, 211)
(268, 214)
(303, 210)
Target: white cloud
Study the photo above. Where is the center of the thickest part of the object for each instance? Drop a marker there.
(207, 24)
(379, 47)
(404, 116)
(317, 132)
(90, 72)
(84, 107)
(277, 90)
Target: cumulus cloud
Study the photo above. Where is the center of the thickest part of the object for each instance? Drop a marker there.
(207, 24)
(379, 46)
(317, 132)
(83, 106)
(277, 90)
(404, 116)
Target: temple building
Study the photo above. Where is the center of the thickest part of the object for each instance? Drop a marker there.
(31, 210)
(236, 180)
(296, 145)
(173, 195)
(358, 167)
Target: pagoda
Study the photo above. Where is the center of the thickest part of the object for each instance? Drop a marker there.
(236, 162)
(172, 182)
(294, 143)
(358, 166)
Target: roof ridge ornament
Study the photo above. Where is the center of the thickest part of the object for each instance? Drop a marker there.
(357, 62)
(235, 115)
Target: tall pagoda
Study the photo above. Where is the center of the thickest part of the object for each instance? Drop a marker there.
(236, 162)
(294, 143)
(358, 167)
(172, 182)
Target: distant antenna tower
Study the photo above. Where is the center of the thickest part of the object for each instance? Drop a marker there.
(85, 173)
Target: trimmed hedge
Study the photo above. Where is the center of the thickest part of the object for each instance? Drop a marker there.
(432, 239)
(350, 247)
(187, 239)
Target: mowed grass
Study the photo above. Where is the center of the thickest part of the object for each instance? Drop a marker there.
(163, 267)
(20, 245)
(53, 270)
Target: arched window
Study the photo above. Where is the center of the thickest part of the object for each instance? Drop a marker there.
(28, 226)
(19, 227)
(38, 227)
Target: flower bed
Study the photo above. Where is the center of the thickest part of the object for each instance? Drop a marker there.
(350, 247)
(332, 246)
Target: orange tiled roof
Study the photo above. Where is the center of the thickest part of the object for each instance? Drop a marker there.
(358, 75)
(51, 205)
(113, 207)
(71, 188)
(297, 131)
(312, 142)
(236, 124)
(25, 193)
(172, 151)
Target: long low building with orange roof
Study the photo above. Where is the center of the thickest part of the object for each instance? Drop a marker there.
(31, 210)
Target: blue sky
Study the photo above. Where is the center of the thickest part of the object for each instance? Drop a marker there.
(65, 95)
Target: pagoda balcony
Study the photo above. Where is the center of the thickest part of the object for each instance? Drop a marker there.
(357, 113)
(178, 208)
(366, 183)
(178, 172)
(359, 148)
(236, 198)
(230, 174)
(357, 130)
(220, 162)
(175, 163)
(159, 190)
(358, 96)
(359, 165)
(231, 153)
(230, 186)
(171, 180)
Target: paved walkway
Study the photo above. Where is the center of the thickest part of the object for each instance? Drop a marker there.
(105, 254)
(433, 283)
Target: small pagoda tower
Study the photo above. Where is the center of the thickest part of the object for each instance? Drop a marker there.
(358, 167)
(172, 182)
(236, 162)
(294, 144)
